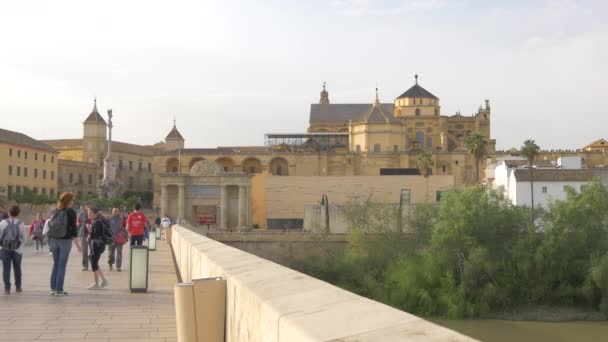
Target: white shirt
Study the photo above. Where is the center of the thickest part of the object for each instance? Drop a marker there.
(165, 222)
(4, 224)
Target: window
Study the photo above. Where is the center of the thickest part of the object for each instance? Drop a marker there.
(395, 148)
(36, 156)
(25, 172)
(18, 153)
(90, 179)
(139, 166)
(10, 152)
(405, 197)
(52, 159)
(10, 170)
(44, 191)
(130, 165)
(52, 174)
(35, 173)
(150, 185)
(376, 148)
(80, 178)
(149, 167)
(420, 138)
(18, 171)
(436, 111)
(44, 174)
(9, 192)
(417, 111)
(25, 154)
(71, 178)
(443, 168)
(544, 189)
(120, 164)
(438, 196)
(358, 148)
(44, 158)
(36, 190)
(429, 142)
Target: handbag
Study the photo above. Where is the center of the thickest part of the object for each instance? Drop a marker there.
(120, 238)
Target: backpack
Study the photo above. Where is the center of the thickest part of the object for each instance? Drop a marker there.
(107, 232)
(38, 226)
(58, 224)
(10, 236)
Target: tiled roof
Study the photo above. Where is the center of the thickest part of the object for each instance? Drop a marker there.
(538, 163)
(555, 175)
(174, 134)
(16, 138)
(417, 91)
(117, 146)
(343, 112)
(95, 117)
(376, 114)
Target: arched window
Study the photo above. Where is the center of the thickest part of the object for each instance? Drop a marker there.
(420, 138)
(417, 111)
(429, 142)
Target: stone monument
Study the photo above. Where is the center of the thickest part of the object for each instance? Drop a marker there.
(109, 186)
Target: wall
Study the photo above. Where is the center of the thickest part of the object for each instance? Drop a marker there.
(286, 197)
(555, 191)
(270, 303)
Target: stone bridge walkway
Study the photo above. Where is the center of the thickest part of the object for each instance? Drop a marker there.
(110, 314)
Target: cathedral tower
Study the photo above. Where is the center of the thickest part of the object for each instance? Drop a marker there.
(174, 139)
(416, 101)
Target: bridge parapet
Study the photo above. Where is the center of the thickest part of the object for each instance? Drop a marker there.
(271, 303)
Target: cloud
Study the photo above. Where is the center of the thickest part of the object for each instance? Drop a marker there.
(384, 7)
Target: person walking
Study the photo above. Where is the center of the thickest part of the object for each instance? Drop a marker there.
(84, 228)
(11, 239)
(97, 246)
(165, 223)
(62, 233)
(115, 248)
(36, 229)
(136, 224)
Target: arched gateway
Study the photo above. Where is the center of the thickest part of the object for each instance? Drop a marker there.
(207, 195)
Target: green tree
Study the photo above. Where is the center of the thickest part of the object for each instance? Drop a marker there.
(476, 145)
(425, 164)
(530, 151)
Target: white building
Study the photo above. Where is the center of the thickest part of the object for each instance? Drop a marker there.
(550, 181)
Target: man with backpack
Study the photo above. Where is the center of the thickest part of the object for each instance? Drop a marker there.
(11, 239)
(119, 238)
(36, 229)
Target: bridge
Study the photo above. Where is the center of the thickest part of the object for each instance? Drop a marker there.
(265, 302)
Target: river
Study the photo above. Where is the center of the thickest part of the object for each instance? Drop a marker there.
(524, 331)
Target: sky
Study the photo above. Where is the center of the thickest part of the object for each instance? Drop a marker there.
(230, 71)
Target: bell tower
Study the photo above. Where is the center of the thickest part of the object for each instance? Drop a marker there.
(94, 139)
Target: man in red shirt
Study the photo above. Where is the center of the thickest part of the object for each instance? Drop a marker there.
(136, 223)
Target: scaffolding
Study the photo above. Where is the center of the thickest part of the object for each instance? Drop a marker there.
(307, 142)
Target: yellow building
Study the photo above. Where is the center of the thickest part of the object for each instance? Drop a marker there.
(134, 163)
(26, 164)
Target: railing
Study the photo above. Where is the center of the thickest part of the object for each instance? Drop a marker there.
(271, 303)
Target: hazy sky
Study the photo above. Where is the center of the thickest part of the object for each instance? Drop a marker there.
(231, 71)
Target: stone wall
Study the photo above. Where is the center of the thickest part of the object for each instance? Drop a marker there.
(271, 303)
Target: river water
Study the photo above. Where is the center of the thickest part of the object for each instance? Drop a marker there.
(524, 331)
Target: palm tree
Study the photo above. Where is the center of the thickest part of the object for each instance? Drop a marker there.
(476, 144)
(425, 163)
(530, 151)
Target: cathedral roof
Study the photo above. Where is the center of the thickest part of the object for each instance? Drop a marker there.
(377, 114)
(417, 91)
(343, 112)
(95, 117)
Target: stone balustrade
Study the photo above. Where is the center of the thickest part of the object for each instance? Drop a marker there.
(270, 303)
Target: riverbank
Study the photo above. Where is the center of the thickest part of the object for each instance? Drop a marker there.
(548, 314)
(527, 331)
